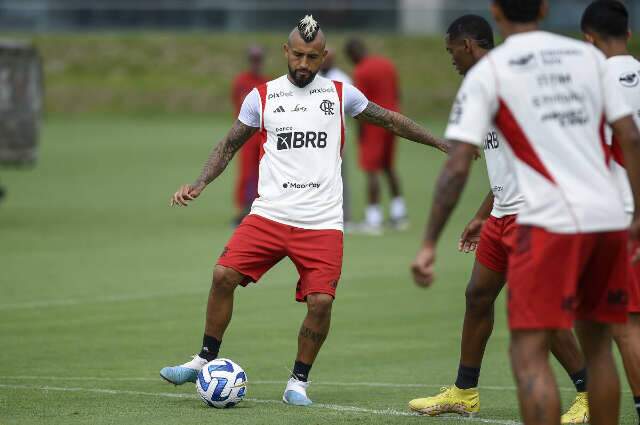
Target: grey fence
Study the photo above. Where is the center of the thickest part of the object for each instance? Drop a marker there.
(406, 16)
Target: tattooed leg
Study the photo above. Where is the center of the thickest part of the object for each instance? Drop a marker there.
(537, 388)
(315, 327)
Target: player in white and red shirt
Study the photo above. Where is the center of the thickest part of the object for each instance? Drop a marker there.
(550, 97)
(493, 229)
(606, 25)
(298, 212)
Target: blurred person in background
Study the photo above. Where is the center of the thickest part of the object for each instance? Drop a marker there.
(330, 71)
(605, 24)
(376, 77)
(247, 180)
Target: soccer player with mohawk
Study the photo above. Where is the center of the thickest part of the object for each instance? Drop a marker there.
(298, 212)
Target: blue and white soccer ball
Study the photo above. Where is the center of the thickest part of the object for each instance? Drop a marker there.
(221, 383)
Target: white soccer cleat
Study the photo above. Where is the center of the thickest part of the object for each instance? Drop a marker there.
(296, 393)
(186, 372)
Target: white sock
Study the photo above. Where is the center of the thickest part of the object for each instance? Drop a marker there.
(398, 208)
(373, 215)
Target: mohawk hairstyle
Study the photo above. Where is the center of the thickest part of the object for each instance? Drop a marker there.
(308, 28)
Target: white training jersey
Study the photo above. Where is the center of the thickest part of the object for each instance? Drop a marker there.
(507, 199)
(625, 71)
(549, 97)
(302, 130)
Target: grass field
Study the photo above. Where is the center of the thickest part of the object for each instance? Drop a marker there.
(101, 285)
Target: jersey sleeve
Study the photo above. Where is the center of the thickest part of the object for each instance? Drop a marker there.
(475, 106)
(354, 101)
(615, 104)
(250, 109)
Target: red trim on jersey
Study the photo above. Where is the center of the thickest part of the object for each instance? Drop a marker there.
(616, 151)
(519, 142)
(608, 150)
(339, 85)
(262, 90)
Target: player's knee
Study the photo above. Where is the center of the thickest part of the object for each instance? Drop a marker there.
(620, 333)
(224, 279)
(319, 305)
(479, 299)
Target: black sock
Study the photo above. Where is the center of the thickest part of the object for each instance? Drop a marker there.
(636, 401)
(467, 377)
(210, 348)
(579, 379)
(301, 371)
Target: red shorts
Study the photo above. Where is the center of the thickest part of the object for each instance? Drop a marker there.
(554, 278)
(377, 147)
(259, 244)
(634, 286)
(496, 239)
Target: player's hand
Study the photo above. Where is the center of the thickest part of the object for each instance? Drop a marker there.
(634, 232)
(186, 193)
(422, 267)
(470, 236)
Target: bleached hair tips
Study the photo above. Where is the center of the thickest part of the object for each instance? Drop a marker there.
(308, 28)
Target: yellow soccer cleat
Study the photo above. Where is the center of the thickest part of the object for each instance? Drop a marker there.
(578, 413)
(450, 400)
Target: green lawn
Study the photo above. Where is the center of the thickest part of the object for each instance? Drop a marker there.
(101, 285)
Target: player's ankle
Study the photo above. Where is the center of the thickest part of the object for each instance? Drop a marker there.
(210, 348)
(301, 371)
(467, 377)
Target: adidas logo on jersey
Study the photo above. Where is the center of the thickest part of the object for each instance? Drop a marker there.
(301, 139)
(279, 109)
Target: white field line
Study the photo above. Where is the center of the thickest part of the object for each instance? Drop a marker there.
(334, 407)
(96, 300)
(128, 297)
(252, 382)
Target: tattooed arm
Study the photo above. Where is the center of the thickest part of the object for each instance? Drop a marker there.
(401, 126)
(452, 180)
(216, 163)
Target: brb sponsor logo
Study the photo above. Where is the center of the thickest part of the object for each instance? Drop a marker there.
(302, 139)
(491, 142)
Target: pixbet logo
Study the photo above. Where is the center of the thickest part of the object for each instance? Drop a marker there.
(322, 90)
(281, 93)
(302, 139)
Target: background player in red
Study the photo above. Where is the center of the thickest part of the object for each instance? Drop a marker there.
(332, 72)
(247, 180)
(376, 77)
(606, 25)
